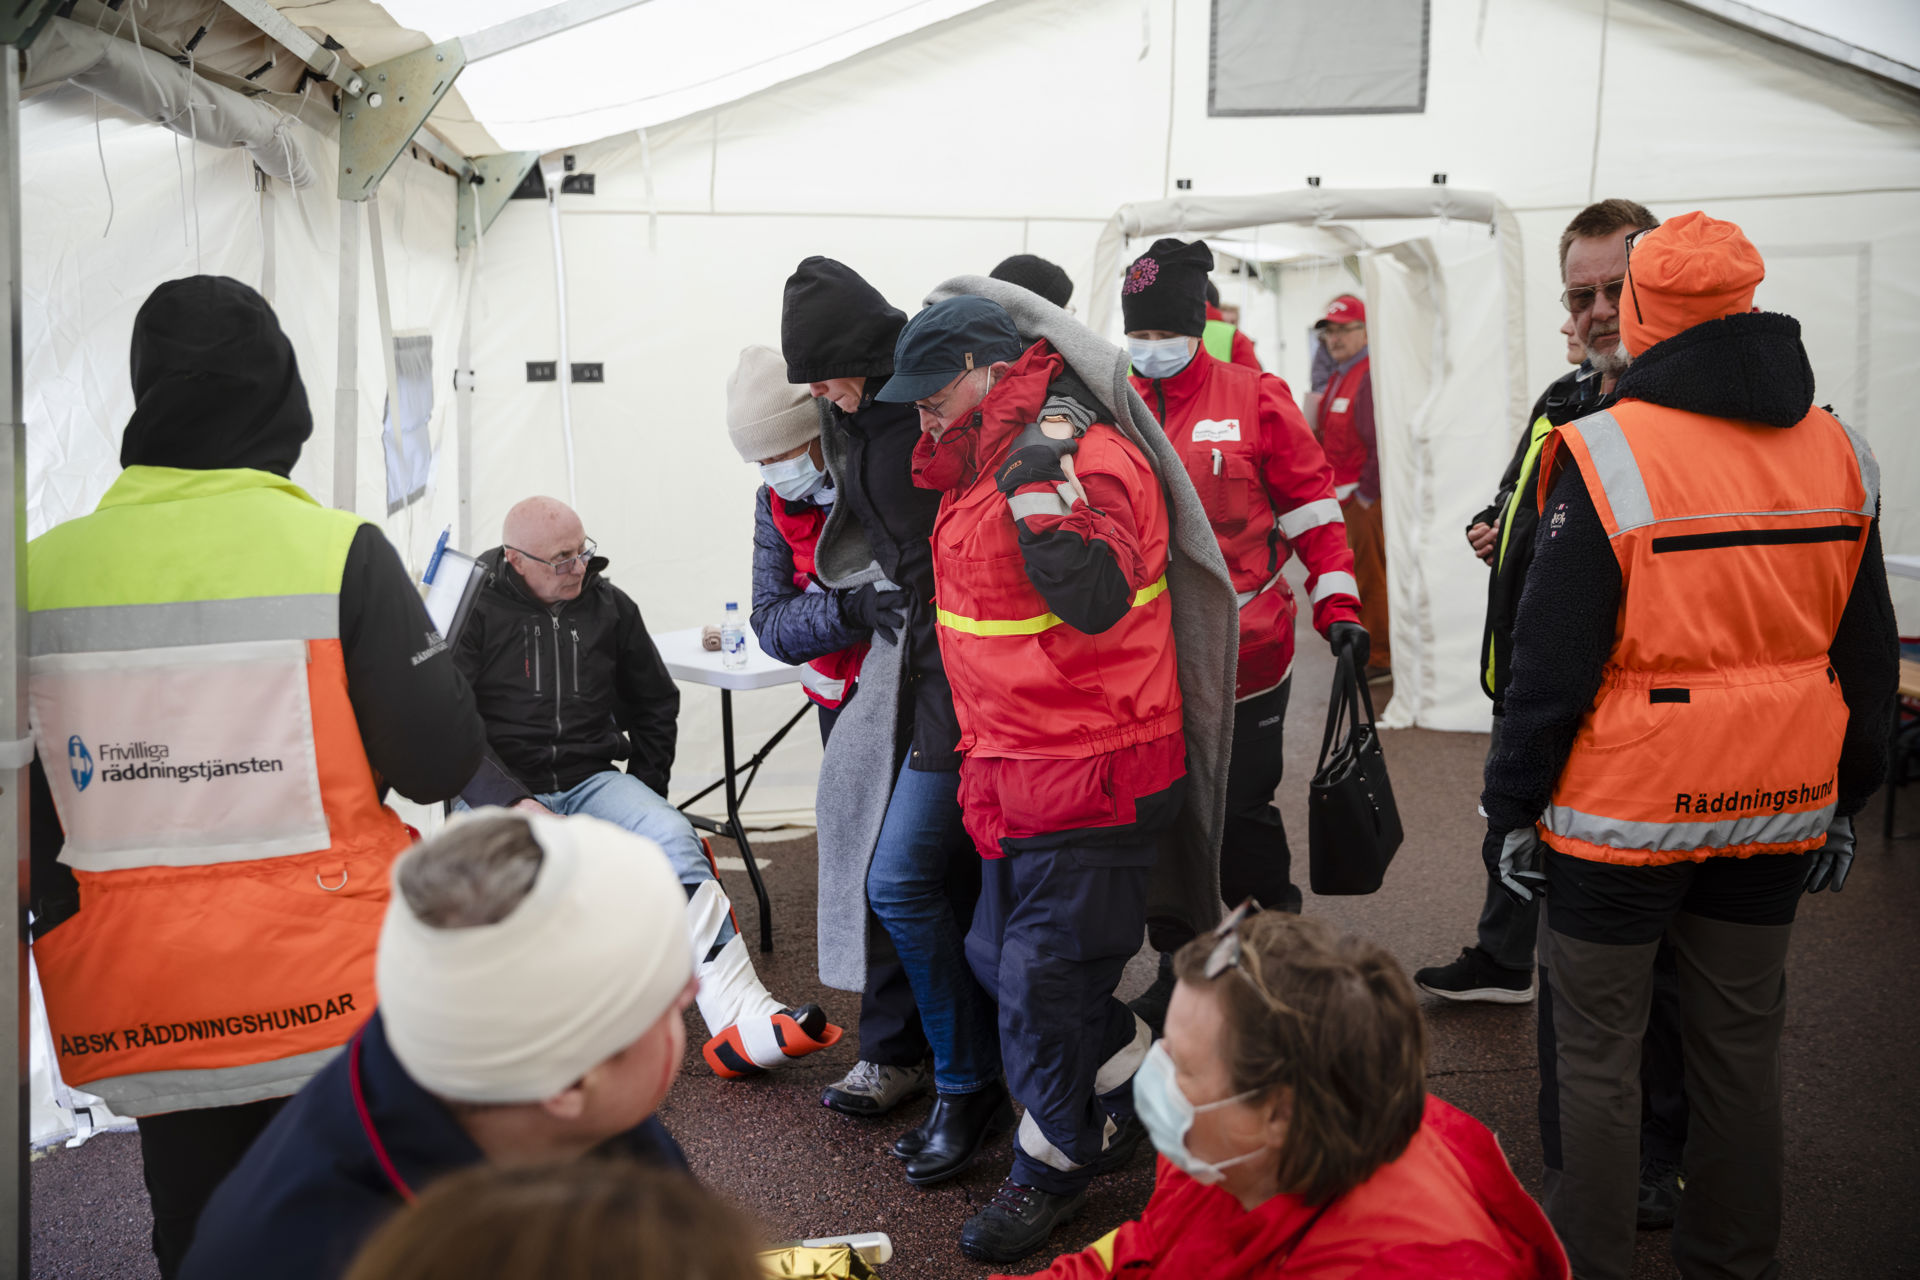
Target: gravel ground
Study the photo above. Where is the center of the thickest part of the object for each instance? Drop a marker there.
(1853, 1033)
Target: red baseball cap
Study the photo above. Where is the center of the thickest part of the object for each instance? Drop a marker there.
(1346, 309)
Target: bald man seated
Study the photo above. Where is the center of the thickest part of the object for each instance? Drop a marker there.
(570, 685)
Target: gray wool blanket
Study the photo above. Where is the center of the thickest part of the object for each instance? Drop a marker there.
(856, 777)
(856, 774)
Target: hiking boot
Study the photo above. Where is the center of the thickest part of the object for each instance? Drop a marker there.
(871, 1089)
(1475, 977)
(1016, 1222)
(1660, 1186)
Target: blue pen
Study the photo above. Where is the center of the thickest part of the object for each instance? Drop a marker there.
(433, 564)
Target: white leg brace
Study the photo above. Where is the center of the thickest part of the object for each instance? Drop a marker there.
(730, 991)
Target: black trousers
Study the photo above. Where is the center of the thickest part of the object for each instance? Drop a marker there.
(183, 1156)
(1255, 861)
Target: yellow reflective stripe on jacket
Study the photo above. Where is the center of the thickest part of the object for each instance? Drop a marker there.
(1103, 1248)
(1034, 626)
(1521, 485)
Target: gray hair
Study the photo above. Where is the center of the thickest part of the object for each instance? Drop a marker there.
(472, 873)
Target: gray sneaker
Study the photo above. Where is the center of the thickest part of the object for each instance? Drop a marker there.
(873, 1090)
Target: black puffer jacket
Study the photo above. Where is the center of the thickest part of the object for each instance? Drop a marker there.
(565, 690)
(1748, 367)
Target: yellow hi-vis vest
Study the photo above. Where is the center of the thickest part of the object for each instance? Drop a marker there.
(1217, 338)
(188, 697)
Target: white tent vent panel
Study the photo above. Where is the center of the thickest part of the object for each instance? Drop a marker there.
(1308, 57)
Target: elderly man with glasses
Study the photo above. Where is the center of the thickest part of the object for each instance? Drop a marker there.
(569, 683)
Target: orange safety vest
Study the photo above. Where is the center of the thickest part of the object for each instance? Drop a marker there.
(828, 679)
(1026, 684)
(189, 705)
(1718, 724)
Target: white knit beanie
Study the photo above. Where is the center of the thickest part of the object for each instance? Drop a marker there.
(517, 1010)
(766, 414)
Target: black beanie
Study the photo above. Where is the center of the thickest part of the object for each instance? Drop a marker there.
(833, 324)
(1166, 288)
(1036, 275)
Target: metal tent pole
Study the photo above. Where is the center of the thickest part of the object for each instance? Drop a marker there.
(16, 752)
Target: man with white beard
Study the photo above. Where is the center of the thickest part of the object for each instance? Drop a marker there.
(1499, 968)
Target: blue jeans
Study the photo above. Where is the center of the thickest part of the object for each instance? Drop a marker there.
(908, 888)
(625, 801)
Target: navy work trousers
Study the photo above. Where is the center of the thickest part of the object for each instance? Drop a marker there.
(1056, 924)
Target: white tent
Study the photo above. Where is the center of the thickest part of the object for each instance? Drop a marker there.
(711, 145)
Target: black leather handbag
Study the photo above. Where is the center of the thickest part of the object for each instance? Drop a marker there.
(1353, 825)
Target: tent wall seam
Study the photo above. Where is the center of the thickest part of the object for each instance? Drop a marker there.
(1599, 98)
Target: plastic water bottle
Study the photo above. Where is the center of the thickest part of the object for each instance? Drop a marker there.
(733, 639)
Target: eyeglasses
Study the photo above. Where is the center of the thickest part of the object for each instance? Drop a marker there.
(563, 564)
(1226, 951)
(1630, 241)
(939, 411)
(1580, 297)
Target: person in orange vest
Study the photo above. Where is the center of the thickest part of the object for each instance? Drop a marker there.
(227, 680)
(1704, 659)
(1050, 557)
(1343, 421)
(1268, 493)
(775, 425)
(1297, 1138)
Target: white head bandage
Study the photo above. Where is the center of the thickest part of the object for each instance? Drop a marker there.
(519, 1010)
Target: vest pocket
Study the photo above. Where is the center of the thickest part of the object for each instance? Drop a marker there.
(1224, 477)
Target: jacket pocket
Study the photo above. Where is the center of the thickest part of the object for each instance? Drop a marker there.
(1224, 478)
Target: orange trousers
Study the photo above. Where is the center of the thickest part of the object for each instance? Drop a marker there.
(1368, 538)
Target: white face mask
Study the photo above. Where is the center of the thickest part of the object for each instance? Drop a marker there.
(795, 479)
(1159, 357)
(1168, 1116)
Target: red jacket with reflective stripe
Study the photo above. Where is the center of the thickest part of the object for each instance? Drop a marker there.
(829, 678)
(1024, 683)
(1340, 435)
(1718, 726)
(1268, 492)
(1449, 1206)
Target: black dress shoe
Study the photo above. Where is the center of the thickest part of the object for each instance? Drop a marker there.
(1015, 1222)
(953, 1134)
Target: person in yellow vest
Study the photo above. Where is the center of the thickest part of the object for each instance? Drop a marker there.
(1222, 337)
(226, 678)
(1704, 659)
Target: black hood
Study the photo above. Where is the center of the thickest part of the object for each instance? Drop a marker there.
(215, 383)
(1751, 368)
(833, 324)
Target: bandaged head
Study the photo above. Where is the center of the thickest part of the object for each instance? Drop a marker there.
(519, 1009)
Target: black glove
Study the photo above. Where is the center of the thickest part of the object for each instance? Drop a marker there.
(1517, 860)
(871, 609)
(1831, 862)
(1351, 638)
(1037, 450)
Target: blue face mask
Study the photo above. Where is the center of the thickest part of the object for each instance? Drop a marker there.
(1159, 357)
(1168, 1116)
(795, 479)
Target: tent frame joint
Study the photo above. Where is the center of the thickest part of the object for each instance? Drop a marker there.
(486, 193)
(377, 127)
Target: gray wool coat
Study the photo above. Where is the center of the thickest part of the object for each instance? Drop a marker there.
(856, 777)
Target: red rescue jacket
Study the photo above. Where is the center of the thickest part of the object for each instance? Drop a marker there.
(1338, 435)
(829, 678)
(1268, 493)
(1449, 1206)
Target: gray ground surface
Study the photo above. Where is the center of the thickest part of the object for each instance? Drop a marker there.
(1852, 1090)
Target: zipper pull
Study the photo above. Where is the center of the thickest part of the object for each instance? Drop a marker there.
(1216, 462)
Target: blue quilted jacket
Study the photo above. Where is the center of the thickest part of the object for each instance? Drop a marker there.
(793, 625)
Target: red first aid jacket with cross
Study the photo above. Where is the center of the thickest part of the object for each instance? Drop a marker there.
(1268, 492)
(829, 678)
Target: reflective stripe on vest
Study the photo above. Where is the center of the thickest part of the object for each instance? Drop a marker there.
(1718, 725)
(1217, 338)
(1034, 626)
(189, 700)
(822, 685)
(1542, 428)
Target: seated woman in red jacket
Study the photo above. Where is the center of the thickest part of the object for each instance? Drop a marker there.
(1289, 1105)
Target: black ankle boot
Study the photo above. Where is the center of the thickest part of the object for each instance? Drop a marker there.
(1150, 1006)
(961, 1123)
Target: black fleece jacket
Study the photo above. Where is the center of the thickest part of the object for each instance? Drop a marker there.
(1752, 368)
(566, 690)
